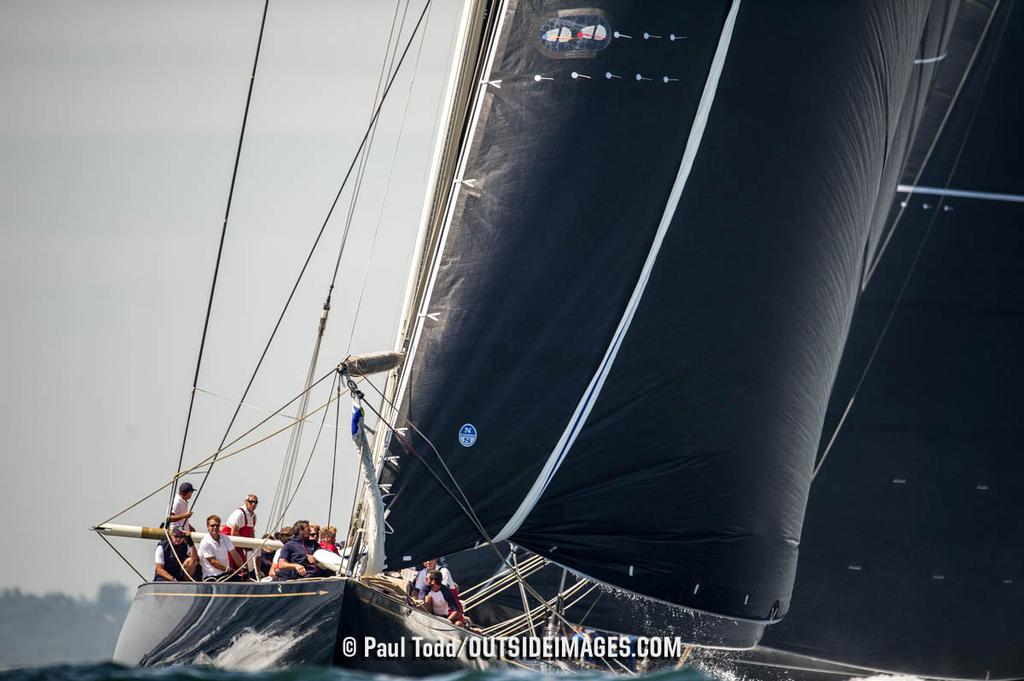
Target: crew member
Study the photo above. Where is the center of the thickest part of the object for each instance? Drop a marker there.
(214, 552)
(439, 600)
(296, 559)
(242, 523)
(173, 561)
(178, 515)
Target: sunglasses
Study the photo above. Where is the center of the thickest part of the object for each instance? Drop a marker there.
(252, 501)
(213, 525)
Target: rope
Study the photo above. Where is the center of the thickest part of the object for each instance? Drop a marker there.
(309, 459)
(220, 247)
(316, 243)
(467, 508)
(684, 657)
(292, 454)
(569, 593)
(522, 594)
(387, 188)
(167, 535)
(295, 492)
(295, 437)
(247, 405)
(499, 582)
(185, 472)
(126, 561)
(591, 608)
(334, 461)
(917, 257)
(226, 456)
(385, 68)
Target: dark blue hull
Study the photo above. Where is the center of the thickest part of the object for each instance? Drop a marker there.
(238, 624)
(260, 625)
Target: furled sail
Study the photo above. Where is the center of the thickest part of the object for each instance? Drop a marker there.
(655, 243)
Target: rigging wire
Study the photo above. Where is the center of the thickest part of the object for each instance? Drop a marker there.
(291, 457)
(220, 247)
(467, 507)
(209, 458)
(387, 188)
(917, 256)
(316, 241)
(247, 405)
(385, 68)
(126, 561)
(223, 458)
(312, 450)
(334, 460)
(295, 492)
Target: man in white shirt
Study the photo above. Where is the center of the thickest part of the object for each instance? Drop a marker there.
(214, 554)
(177, 517)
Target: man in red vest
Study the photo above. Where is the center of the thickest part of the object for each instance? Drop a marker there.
(242, 523)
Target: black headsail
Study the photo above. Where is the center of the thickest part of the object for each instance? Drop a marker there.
(654, 250)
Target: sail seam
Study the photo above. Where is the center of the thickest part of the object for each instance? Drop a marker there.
(593, 391)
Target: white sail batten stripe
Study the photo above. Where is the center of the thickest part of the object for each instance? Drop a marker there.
(586, 404)
(959, 193)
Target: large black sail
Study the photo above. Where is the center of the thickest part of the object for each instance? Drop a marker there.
(632, 387)
(564, 182)
(914, 518)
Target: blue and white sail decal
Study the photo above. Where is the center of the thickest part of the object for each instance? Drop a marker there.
(576, 35)
(586, 403)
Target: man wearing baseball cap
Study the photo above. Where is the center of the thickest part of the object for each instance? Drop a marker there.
(173, 560)
(177, 517)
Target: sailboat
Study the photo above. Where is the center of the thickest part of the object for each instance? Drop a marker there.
(699, 316)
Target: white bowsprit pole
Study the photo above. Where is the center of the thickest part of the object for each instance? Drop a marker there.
(159, 534)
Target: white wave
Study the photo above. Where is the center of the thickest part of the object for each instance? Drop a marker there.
(252, 651)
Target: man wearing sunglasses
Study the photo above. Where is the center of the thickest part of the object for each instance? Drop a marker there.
(242, 523)
(214, 552)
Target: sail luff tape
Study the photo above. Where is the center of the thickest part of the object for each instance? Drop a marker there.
(373, 363)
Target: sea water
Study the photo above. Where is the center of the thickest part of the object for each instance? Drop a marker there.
(215, 670)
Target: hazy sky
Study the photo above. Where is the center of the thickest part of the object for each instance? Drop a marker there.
(117, 137)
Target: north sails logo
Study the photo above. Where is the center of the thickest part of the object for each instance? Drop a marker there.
(467, 435)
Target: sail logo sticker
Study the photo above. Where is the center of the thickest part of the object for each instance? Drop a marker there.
(575, 34)
(467, 435)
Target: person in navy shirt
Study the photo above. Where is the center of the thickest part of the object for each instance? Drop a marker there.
(296, 559)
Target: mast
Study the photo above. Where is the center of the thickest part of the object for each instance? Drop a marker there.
(451, 128)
